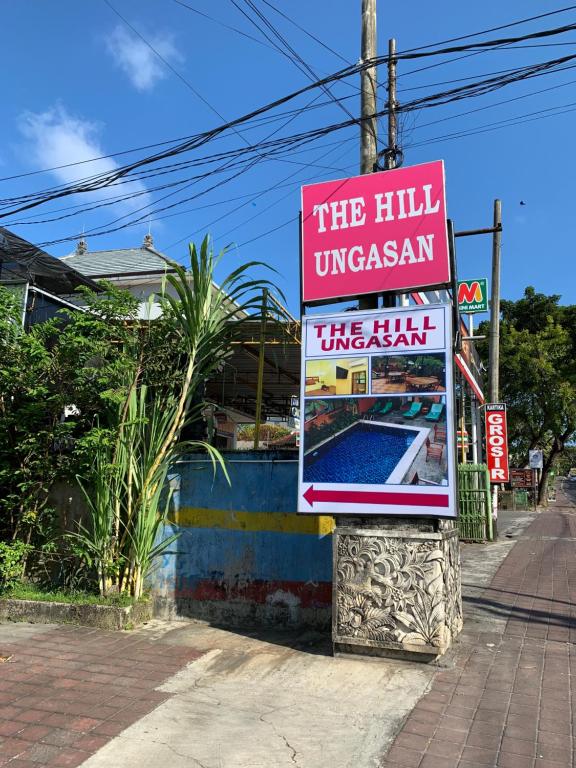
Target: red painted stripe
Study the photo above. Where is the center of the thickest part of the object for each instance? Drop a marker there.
(309, 595)
(461, 363)
(377, 497)
(417, 297)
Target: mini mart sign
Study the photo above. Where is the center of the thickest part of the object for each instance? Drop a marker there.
(473, 296)
(374, 233)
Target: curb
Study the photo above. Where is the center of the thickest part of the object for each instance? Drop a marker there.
(100, 616)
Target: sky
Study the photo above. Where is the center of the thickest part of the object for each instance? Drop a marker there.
(83, 82)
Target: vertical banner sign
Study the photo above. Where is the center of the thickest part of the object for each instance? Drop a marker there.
(373, 233)
(376, 413)
(497, 442)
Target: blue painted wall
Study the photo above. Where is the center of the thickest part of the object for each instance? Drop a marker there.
(243, 555)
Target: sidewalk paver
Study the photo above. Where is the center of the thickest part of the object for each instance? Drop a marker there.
(507, 701)
(66, 691)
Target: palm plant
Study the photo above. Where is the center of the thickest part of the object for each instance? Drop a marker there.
(94, 542)
(130, 512)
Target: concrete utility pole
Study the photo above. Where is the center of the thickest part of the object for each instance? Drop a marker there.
(368, 128)
(389, 299)
(392, 125)
(494, 350)
(388, 531)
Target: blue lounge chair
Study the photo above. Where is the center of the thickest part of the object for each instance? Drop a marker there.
(413, 411)
(435, 412)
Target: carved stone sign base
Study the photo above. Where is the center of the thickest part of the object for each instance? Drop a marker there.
(396, 587)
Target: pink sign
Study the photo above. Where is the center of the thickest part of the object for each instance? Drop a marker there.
(379, 232)
(497, 442)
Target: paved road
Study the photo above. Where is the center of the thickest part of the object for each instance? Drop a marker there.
(508, 701)
(187, 694)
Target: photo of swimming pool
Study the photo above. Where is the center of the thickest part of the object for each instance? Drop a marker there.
(366, 453)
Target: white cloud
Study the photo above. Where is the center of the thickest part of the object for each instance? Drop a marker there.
(138, 61)
(57, 138)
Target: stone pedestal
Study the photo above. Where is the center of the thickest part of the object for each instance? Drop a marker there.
(396, 587)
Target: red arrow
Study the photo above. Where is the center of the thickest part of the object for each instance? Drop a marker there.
(376, 497)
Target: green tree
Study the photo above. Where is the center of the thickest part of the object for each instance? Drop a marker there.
(538, 377)
(60, 386)
(99, 396)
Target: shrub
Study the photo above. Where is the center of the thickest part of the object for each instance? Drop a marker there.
(12, 562)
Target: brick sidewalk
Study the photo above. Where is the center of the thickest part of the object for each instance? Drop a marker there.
(508, 700)
(69, 690)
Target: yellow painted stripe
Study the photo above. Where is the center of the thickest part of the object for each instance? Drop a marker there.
(279, 522)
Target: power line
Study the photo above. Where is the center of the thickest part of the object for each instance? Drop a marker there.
(498, 103)
(448, 96)
(123, 173)
(496, 29)
(225, 26)
(306, 32)
(121, 198)
(292, 55)
(165, 61)
(336, 76)
(489, 127)
(255, 197)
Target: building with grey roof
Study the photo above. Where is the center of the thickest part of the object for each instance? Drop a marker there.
(119, 263)
(138, 270)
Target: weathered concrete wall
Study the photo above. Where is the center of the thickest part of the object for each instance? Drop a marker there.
(101, 616)
(243, 555)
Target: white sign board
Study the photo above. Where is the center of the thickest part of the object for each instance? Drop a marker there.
(536, 459)
(376, 413)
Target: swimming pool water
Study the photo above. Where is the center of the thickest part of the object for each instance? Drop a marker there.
(363, 454)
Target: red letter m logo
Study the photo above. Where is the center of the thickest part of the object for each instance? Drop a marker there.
(469, 293)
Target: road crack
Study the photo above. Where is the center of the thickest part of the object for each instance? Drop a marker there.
(277, 733)
(180, 754)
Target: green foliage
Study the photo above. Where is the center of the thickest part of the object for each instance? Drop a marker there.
(85, 359)
(268, 432)
(12, 561)
(25, 591)
(127, 498)
(566, 461)
(79, 359)
(99, 396)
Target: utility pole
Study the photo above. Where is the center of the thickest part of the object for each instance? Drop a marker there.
(494, 350)
(495, 305)
(389, 300)
(392, 125)
(368, 126)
